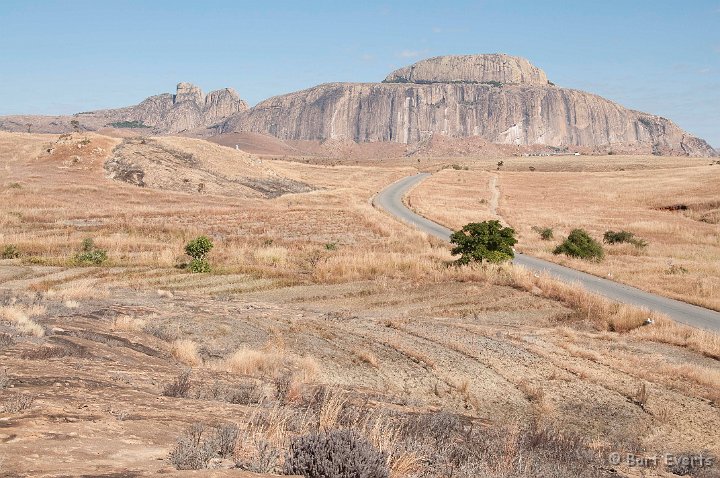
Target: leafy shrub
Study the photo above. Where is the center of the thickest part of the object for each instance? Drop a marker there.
(90, 254)
(335, 454)
(198, 249)
(199, 266)
(619, 237)
(546, 233)
(10, 252)
(579, 244)
(483, 241)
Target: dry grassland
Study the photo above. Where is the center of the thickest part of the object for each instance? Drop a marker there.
(322, 313)
(683, 257)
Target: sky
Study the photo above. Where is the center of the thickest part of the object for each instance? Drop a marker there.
(62, 57)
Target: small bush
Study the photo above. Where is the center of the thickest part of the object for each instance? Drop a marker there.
(226, 437)
(6, 341)
(483, 241)
(546, 233)
(619, 237)
(90, 254)
(178, 388)
(335, 454)
(194, 449)
(579, 244)
(10, 252)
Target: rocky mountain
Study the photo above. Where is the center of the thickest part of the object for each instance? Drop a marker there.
(498, 98)
(166, 113)
(491, 69)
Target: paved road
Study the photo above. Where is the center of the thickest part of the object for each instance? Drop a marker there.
(390, 199)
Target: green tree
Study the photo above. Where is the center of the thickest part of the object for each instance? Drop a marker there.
(198, 249)
(579, 244)
(483, 241)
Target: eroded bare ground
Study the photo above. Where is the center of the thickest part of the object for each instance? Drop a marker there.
(494, 355)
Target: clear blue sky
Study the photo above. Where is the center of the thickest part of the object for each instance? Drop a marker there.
(660, 56)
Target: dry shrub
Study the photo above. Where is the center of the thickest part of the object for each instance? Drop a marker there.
(126, 323)
(335, 454)
(18, 318)
(178, 388)
(6, 341)
(185, 351)
(194, 449)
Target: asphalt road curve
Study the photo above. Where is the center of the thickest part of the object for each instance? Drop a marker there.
(390, 200)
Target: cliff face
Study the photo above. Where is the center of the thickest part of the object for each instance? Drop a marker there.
(499, 98)
(189, 108)
(406, 113)
(494, 68)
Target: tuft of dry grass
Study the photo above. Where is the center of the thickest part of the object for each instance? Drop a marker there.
(254, 362)
(670, 332)
(185, 351)
(19, 319)
(126, 323)
(367, 357)
(273, 256)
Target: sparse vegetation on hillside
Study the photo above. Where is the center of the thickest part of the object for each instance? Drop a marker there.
(10, 252)
(128, 124)
(546, 233)
(579, 244)
(483, 241)
(619, 237)
(90, 254)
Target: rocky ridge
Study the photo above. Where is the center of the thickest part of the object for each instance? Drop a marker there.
(501, 99)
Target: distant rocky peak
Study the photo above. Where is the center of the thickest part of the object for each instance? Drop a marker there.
(189, 92)
(493, 68)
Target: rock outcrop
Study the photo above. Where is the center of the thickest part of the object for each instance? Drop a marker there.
(166, 113)
(499, 98)
(187, 109)
(491, 69)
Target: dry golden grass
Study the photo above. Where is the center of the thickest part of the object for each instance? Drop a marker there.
(19, 318)
(185, 351)
(367, 356)
(683, 256)
(129, 324)
(254, 362)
